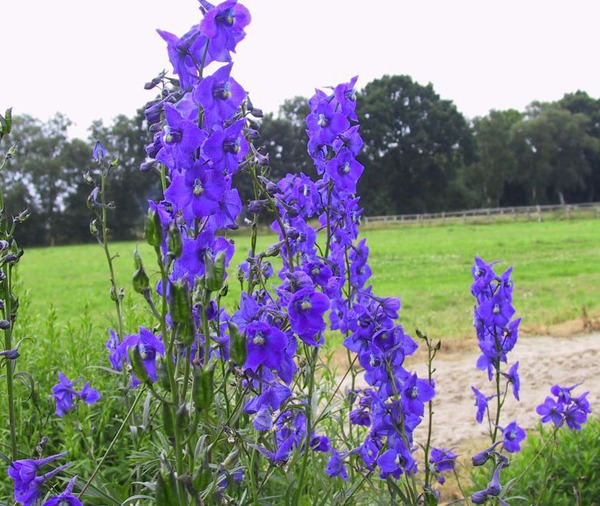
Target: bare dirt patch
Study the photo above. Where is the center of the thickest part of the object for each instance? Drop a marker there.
(567, 357)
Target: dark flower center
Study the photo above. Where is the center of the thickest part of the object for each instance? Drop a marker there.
(198, 188)
(323, 120)
(172, 136)
(222, 91)
(227, 17)
(146, 352)
(230, 146)
(259, 339)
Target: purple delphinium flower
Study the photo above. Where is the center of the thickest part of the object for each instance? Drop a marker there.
(443, 459)
(227, 148)
(565, 409)
(513, 378)
(345, 171)
(224, 26)
(324, 122)
(112, 345)
(220, 96)
(335, 466)
(551, 410)
(415, 393)
(66, 498)
(181, 138)
(396, 461)
(185, 53)
(196, 191)
(27, 483)
(481, 401)
(65, 394)
(513, 435)
(266, 346)
(306, 309)
(149, 346)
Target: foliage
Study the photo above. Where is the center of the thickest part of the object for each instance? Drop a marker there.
(572, 476)
(415, 144)
(496, 163)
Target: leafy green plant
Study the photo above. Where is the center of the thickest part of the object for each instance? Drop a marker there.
(572, 476)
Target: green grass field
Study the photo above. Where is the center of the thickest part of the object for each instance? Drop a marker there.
(557, 273)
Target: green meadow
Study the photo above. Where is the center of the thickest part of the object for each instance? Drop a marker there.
(556, 274)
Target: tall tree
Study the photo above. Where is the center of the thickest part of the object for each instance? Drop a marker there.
(415, 143)
(284, 138)
(581, 103)
(48, 166)
(495, 164)
(551, 145)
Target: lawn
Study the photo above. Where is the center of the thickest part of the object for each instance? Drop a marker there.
(556, 273)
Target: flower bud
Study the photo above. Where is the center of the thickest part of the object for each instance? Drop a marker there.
(141, 281)
(11, 258)
(168, 420)
(179, 302)
(137, 364)
(23, 216)
(166, 489)
(252, 134)
(10, 354)
(147, 166)
(237, 344)
(479, 459)
(94, 227)
(182, 417)
(99, 152)
(202, 389)
(161, 373)
(4, 325)
(256, 206)
(174, 241)
(153, 229)
(214, 271)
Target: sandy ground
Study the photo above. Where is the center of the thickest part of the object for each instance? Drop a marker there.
(543, 362)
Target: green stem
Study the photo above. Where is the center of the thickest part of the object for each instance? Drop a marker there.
(112, 443)
(312, 360)
(10, 363)
(109, 258)
(536, 456)
(430, 357)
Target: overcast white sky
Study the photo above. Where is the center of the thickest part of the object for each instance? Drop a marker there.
(90, 59)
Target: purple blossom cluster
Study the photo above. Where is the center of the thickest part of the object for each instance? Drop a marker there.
(28, 479)
(393, 405)
(565, 408)
(497, 334)
(200, 129)
(65, 394)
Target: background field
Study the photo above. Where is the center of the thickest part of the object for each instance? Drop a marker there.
(557, 274)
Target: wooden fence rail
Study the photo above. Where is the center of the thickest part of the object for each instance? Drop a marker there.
(532, 212)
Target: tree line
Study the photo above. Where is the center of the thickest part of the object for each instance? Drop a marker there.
(421, 155)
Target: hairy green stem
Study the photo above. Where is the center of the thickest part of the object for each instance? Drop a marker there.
(10, 363)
